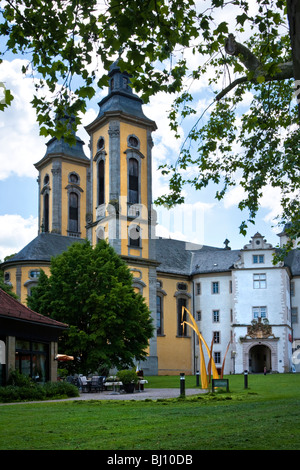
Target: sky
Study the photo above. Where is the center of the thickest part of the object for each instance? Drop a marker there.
(202, 219)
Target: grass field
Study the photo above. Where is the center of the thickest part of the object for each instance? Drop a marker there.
(264, 416)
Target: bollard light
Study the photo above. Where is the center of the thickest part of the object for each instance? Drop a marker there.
(197, 378)
(182, 384)
(245, 379)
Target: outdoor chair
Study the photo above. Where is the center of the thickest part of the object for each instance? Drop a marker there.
(102, 379)
(95, 385)
(83, 384)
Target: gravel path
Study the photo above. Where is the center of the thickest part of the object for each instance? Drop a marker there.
(148, 393)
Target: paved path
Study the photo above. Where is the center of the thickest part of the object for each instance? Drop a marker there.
(148, 393)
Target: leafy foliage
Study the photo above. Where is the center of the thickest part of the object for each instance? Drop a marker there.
(91, 290)
(72, 43)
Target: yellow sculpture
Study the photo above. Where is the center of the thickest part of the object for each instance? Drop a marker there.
(203, 373)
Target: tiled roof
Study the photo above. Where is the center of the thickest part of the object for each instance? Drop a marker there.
(43, 248)
(12, 308)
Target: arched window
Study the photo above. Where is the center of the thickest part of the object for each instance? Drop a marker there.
(46, 212)
(159, 315)
(181, 329)
(100, 182)
(73, 212)
(133, 184)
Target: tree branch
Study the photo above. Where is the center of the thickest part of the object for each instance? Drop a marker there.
(251, 62)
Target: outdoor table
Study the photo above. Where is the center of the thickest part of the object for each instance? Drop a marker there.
(113, 384)
(142, 382)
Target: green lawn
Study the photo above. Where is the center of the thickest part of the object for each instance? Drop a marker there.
(264, 416)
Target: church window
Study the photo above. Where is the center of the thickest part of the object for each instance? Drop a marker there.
(6, 277)
(159, 314)
(46, 179)
(46, 212)
(133, 185)
(125, 83)
(181, 328)
(100, 182)
(198, 288)
(134, 236)
(133, 141)
(73, 212)
(74, 178)
(182, 286)
(34, 273)
(100, 144)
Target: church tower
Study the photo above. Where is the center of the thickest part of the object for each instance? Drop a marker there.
(63, 188)
(120, 208)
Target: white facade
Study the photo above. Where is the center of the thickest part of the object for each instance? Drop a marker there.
(247, 309)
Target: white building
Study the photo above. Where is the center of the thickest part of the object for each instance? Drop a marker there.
(249, 306)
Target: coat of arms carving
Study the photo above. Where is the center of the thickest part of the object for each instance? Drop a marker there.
(260, 329)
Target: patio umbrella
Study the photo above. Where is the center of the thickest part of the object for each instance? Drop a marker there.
(63, 357)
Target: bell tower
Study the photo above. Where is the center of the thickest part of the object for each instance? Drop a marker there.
(120, 207)
(63, 188)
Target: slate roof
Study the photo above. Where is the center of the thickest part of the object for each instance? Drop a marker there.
(121, 99)
(43, 248)
(13, 309)
(179, 257)
(293, 262)
(60, 146)
(213, 261)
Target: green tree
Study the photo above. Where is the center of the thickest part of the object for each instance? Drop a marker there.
(72, 43)
(90, 289)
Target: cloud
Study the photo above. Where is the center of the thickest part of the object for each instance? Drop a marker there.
(15, 233)
(21, 144)
(184, 222)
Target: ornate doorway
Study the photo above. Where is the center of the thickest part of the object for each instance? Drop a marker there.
(260, 357)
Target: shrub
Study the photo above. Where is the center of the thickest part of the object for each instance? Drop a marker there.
(127, 376)
(32, 391)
